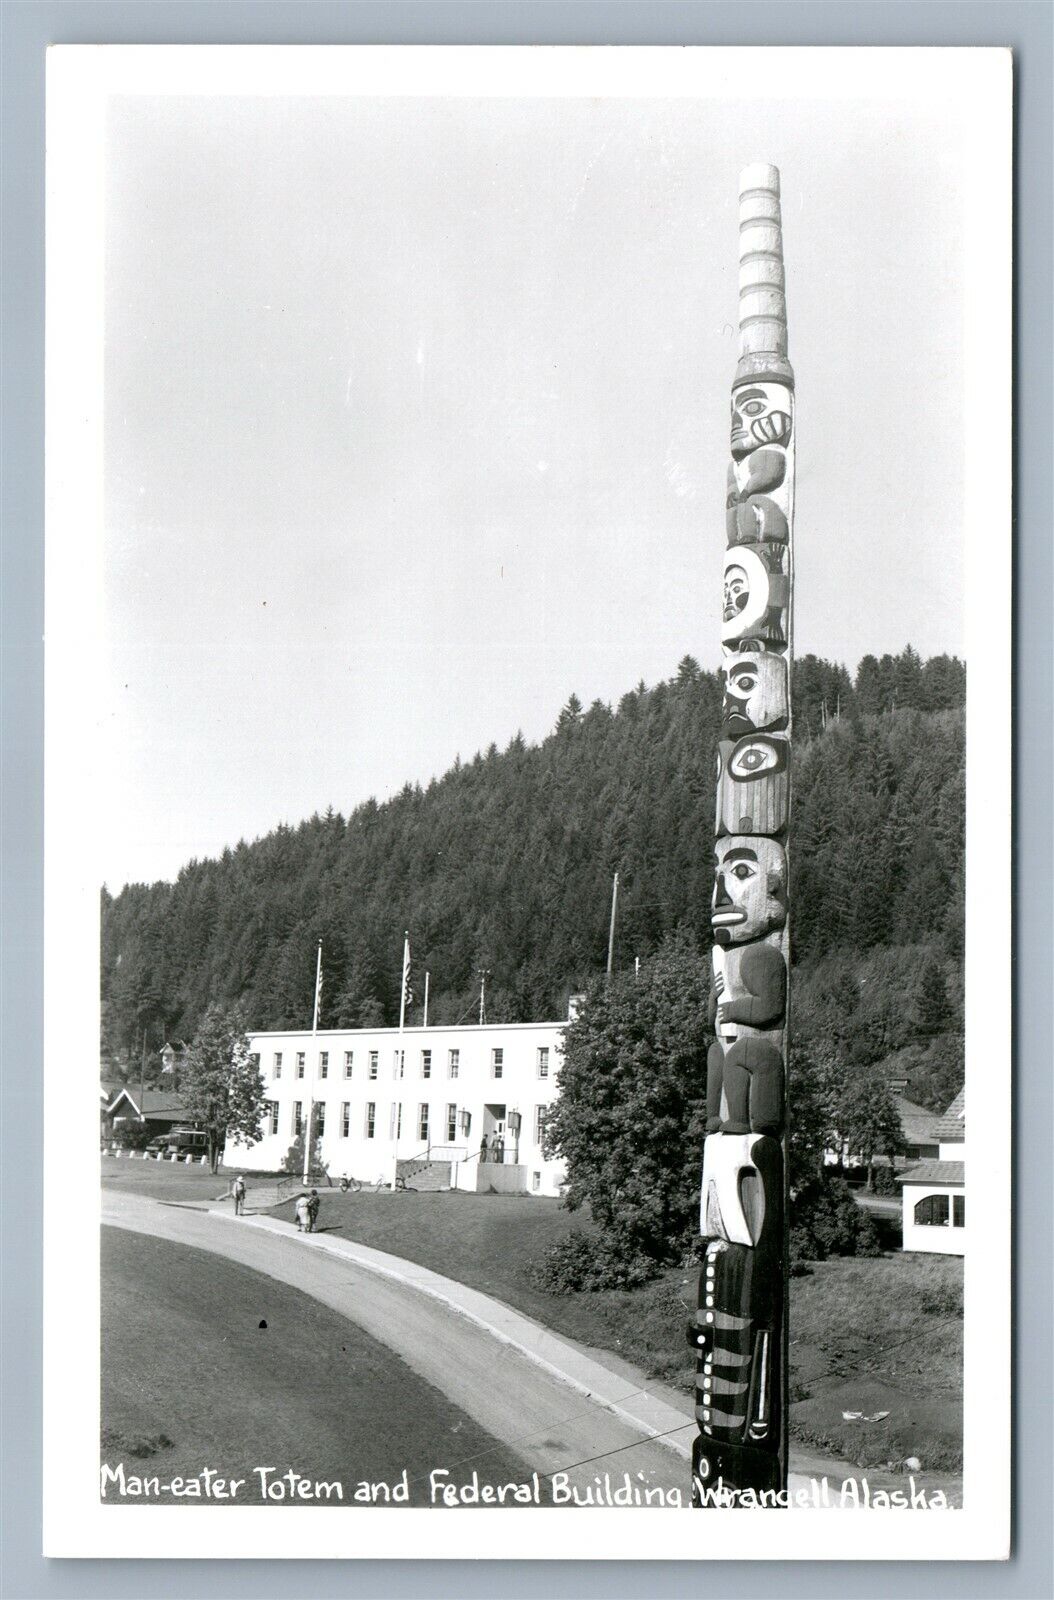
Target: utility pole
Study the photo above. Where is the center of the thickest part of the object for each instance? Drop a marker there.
(611, 929)
(425, 1024)
(484, 974)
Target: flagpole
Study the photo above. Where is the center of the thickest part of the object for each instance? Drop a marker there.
(402, 1022)
(311, 1078)
(426, 1001)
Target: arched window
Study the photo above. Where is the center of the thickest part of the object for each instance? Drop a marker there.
(932, 1212)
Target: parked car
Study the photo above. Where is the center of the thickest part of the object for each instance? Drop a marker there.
(180, 1141)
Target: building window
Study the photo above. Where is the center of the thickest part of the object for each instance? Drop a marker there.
(300, 1062)
(497, 1061)
(540, 1113)
(371, 1119)
(426, 1063)
(932, 1212)
(959, 1211)
(298, 1118)
(349, 1056)
(422, 1122)
(400, 1063)
(271, 1113)
(536, 1181)
(320, 1119)
(323, 1063)
(345, 1118)
(451, 1122)
(277, 1065)
(399, 1120)
(454, 1063)
(543, 1061)
(373, 1063)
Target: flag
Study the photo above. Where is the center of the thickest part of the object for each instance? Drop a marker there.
(408, 993)
(318, 989)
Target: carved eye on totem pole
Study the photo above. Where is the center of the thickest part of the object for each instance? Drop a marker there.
(755, 693)
(753, 784)
(757, 592)
(750, 888)
(761, 414)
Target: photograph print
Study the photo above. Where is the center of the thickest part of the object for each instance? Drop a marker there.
(528, 612)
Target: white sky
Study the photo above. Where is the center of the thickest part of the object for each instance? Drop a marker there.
(416, 417)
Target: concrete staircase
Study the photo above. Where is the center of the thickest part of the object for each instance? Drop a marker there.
(422, 1175)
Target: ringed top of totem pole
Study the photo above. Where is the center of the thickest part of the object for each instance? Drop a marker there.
(762, 301)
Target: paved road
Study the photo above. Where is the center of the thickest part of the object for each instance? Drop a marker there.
(550, 1426)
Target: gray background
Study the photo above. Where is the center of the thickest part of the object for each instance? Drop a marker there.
(25, 30)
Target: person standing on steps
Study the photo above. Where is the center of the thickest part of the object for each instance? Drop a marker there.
(238, 1191)
(483, 1150)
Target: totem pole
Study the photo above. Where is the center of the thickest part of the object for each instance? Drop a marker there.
(739, 1329)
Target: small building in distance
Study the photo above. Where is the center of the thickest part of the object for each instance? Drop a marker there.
(461, 1107)
(160, 1110)
(933, 1193)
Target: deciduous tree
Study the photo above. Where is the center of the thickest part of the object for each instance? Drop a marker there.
(631, 1114)
(221, 1086)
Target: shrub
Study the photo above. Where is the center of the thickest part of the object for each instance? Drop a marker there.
(132, 1135)
(582, 1262)
(826, 1221)
(885, 1181)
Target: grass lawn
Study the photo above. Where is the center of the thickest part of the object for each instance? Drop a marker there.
(165, 1180)
(866, 1336)
(206, 1363)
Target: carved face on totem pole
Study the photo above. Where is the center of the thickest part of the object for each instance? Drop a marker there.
(753, 784)
(755, 693)
(756, 595)
(750, 888)
(761, 414)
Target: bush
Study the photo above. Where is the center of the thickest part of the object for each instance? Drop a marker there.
(582, 1262)
(132, 1135)
(885, 1181)
(826, 1221)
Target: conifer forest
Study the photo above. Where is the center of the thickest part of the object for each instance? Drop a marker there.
(505, 865)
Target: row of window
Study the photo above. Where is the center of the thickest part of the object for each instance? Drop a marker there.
(933, 1211)
(497, 1063)
(395, 1120)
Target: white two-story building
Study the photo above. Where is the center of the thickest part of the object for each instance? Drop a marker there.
(473, 1099)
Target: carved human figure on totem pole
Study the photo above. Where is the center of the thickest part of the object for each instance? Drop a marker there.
(756, 596)
(758, 477)
(744, 1076)
(755, 693)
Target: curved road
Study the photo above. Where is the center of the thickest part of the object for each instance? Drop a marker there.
(551, 1426)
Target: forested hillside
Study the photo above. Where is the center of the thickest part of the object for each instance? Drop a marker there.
(506, 862)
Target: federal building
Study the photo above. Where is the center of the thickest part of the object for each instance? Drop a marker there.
(461, 1107)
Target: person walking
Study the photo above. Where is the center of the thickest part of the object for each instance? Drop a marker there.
(303, 1214)
(313, 1204)
(238, 1191)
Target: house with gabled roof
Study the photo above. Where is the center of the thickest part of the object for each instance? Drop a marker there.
(933, 1193)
